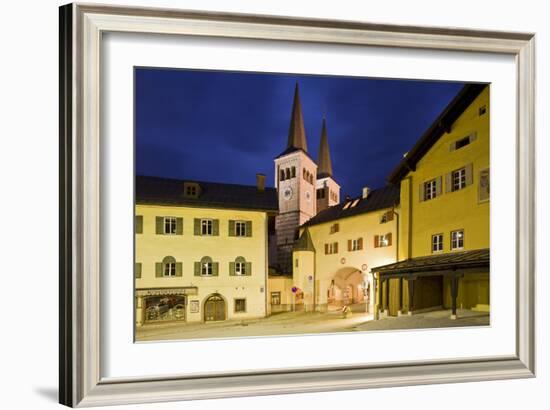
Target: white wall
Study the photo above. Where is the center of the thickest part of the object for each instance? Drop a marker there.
(28, 170)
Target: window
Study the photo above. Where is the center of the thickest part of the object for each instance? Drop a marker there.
(381, 241)
(430, 190)
(321, 193)
(386, 217)
(137, 270)
(484, 185)
(240, 305)
(191, 189)
(240, 228)
(355, 202)
(334, 228)
(206, 226)
(170, 226)
(437, 242)
(293, 172)
(296, 263)
(287, 173)
(458, 179)
(462, 142)
(482, 110)
(169, 266)
(206, 266)
(282, 176)
(346, 206)
(457, 239)
(355, 244)
(331, 248)
(240, 268)
(275, 298)
(139, 224)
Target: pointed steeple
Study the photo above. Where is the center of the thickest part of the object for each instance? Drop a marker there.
(304, 243)
(324, 162)
(296, 132)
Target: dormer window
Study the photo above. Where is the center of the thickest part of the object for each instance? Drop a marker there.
(191, 189)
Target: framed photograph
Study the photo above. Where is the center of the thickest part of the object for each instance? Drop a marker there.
(260, 205)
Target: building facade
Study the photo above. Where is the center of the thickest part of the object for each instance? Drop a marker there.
(201, 250)
(443, 259)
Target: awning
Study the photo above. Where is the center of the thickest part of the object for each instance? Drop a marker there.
(451, 261)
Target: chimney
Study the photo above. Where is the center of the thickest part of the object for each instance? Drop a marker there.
(366, 191)
(260, 182)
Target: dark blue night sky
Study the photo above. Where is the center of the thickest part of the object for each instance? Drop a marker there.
(228, 126)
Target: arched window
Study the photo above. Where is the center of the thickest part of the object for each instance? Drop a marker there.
(169, 266)
(240, 266)
(293, 172)
(311, 178)
(287, 175)
(305, 174)
(206, 266)
(282, 177)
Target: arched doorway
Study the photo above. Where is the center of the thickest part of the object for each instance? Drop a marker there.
(346, 288)
(214, 308)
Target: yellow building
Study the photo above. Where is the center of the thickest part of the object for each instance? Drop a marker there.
(337, 248)
(201, 250)
(444, 217)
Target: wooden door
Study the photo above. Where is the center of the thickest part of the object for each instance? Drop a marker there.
(394, 292)
(214, 309)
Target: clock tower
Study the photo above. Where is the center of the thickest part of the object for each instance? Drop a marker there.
(295, 180)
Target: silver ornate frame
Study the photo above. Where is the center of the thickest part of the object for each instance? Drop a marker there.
(81, 29)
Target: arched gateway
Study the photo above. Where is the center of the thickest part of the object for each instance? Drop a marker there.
(347, 288)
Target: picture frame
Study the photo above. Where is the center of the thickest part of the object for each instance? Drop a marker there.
(81, 32)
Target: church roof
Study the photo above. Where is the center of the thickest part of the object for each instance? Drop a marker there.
(377, 199)
(304, 243)
(440, 126)
(323, 159)
(296, 131)
(165, 191)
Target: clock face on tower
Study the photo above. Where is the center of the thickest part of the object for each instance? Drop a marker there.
(287, 193)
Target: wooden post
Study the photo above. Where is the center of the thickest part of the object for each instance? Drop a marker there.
(454, 294)
(400, 311)
(387, 298)
(410, 283)
(380, 301)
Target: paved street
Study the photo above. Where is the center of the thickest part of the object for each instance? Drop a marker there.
(291, 323)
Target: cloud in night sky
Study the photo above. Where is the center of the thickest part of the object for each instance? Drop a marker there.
(228, 126)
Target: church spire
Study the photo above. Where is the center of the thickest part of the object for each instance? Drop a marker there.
(323, 160)
(296, 132)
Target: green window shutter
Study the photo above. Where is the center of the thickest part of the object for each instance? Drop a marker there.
(139, 223)
(197, 226)
(248, 268)
(159, 225)
(215, 227)
(215, 269)
(469, 174)
(438, 182)
(197, 268)
(449, 182)
(231, 228)
(179, 226)
(158, 270)
(231, 268)
(138, 270)
(421, 192)
(179, 269)
(248, 228)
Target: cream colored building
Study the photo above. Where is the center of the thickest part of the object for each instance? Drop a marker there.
(201, 250)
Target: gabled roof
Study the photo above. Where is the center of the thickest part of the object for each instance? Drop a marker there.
(377, 199)
(323, 159)
(166, 191)
(304, 243)
(441, 125)
(446, 261)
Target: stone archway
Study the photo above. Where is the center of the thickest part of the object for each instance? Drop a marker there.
(346, 288)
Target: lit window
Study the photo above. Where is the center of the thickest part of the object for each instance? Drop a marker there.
(459, 179)
(240, 228)
(170, 226)
(240, 305)
(384, 240)
(206, 226)
(437, 242)
(206, 266)
(346, 206)
(430, 189)
(457, 239)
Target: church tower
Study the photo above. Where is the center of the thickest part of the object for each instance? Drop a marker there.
(328, 190)
(295, 180)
